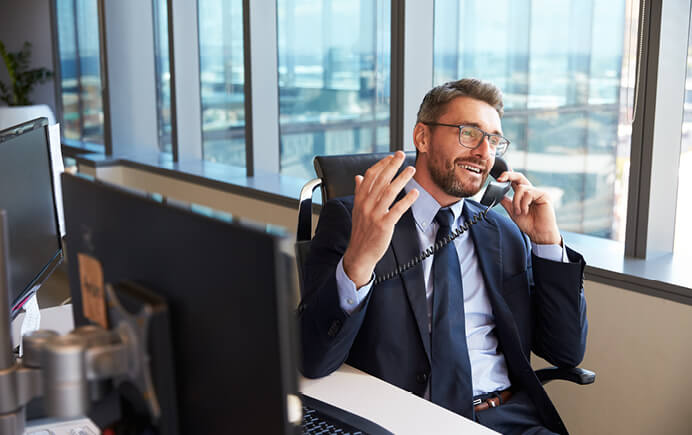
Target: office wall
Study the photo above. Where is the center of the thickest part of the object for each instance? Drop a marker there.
(641, 348)
(29, 20)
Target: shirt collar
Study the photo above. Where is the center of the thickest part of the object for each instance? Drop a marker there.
(426, 207)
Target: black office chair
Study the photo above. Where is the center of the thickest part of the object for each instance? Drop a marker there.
(336, 178)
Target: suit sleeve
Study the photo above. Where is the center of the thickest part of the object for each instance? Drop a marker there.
(559, 307)
(327, 332)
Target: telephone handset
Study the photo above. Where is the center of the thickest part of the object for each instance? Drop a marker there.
(492, 196)
(496, 190)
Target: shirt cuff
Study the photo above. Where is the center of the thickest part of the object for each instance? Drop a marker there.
(350, 298)
(551, 252)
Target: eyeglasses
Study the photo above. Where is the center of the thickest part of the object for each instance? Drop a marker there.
(471, 137)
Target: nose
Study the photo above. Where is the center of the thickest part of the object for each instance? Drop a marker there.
(484, 150)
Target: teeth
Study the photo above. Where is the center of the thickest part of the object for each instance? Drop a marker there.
(471, 168)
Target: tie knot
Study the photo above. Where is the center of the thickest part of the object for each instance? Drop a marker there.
(444, 218)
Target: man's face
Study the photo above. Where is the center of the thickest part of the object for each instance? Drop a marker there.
(460, 171)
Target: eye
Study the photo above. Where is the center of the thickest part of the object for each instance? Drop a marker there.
(470, 132)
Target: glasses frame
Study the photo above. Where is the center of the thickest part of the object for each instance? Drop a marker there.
(489, 135)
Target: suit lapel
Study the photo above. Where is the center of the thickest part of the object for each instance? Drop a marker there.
(405, 246)
(487, 241)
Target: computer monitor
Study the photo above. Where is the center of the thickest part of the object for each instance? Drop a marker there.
(227, 287)
(27, 196)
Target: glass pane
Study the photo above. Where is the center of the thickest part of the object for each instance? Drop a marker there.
(163, 74)
(333, 79)
(565, 68)
(222, 80)
(80, 70)
(683, 214)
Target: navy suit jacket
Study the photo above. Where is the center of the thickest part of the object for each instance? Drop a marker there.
(538, 306)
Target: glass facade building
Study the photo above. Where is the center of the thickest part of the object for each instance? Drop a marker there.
(334, 65)
(560, 67)
(222, 80)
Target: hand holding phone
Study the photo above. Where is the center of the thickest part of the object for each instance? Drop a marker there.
(531, 209)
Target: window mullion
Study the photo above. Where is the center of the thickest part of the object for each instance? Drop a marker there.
(656, 130)
(183, 52)
(261, 86)
(412, 67)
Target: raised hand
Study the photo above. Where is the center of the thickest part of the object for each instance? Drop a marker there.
(531, 209)
(374, 215)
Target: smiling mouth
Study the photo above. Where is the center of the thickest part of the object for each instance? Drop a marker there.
(470, 168)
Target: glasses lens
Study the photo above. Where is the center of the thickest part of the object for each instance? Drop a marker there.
(469, 136)
(501, 147)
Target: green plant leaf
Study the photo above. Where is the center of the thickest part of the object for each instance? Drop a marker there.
(22, 79)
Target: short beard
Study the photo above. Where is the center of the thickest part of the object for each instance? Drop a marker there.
(446, 179)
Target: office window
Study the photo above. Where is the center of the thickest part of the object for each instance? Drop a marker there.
(566, 70)
(222, 80)
(80, 70)
(683, 214)
(334, 79)
(163, 74)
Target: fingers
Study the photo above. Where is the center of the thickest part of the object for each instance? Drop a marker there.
(390, 192)
(386, 173)
(507, 203)
(400, 207)
(516, 178)
(524, 193)
(524, 197)
(372, 174)
(359, 182)
(378, 181)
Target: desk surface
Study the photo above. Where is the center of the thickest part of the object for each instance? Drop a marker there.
(397, 410)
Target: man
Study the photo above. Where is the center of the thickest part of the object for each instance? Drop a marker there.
(458, 328)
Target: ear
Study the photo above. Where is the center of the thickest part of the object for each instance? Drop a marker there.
(421, 137)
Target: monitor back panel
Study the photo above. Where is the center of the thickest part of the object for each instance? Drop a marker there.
(226, 288)
(26, 194)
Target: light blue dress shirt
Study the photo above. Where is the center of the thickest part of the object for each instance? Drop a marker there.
(488, 366)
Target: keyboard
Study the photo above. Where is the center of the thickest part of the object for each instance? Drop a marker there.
(322, 418)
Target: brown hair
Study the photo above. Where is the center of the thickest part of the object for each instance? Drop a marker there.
(437, 98)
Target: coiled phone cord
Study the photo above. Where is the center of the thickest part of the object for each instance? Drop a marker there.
(434, 248)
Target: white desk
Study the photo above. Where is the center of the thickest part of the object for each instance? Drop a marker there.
(397, 410)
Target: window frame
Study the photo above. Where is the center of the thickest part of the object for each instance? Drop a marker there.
(638, 263)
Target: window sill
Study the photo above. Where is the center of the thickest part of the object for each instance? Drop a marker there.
(275, 188)
(666, 276)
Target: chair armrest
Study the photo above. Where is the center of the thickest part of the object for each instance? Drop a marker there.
(302, 249)
(304, 231)
(573, 374)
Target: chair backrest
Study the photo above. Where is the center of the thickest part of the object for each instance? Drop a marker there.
(338, 172)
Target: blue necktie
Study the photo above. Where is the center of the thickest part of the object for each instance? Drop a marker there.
(450, 378)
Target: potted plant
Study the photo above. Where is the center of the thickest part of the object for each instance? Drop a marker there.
(16, 92)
